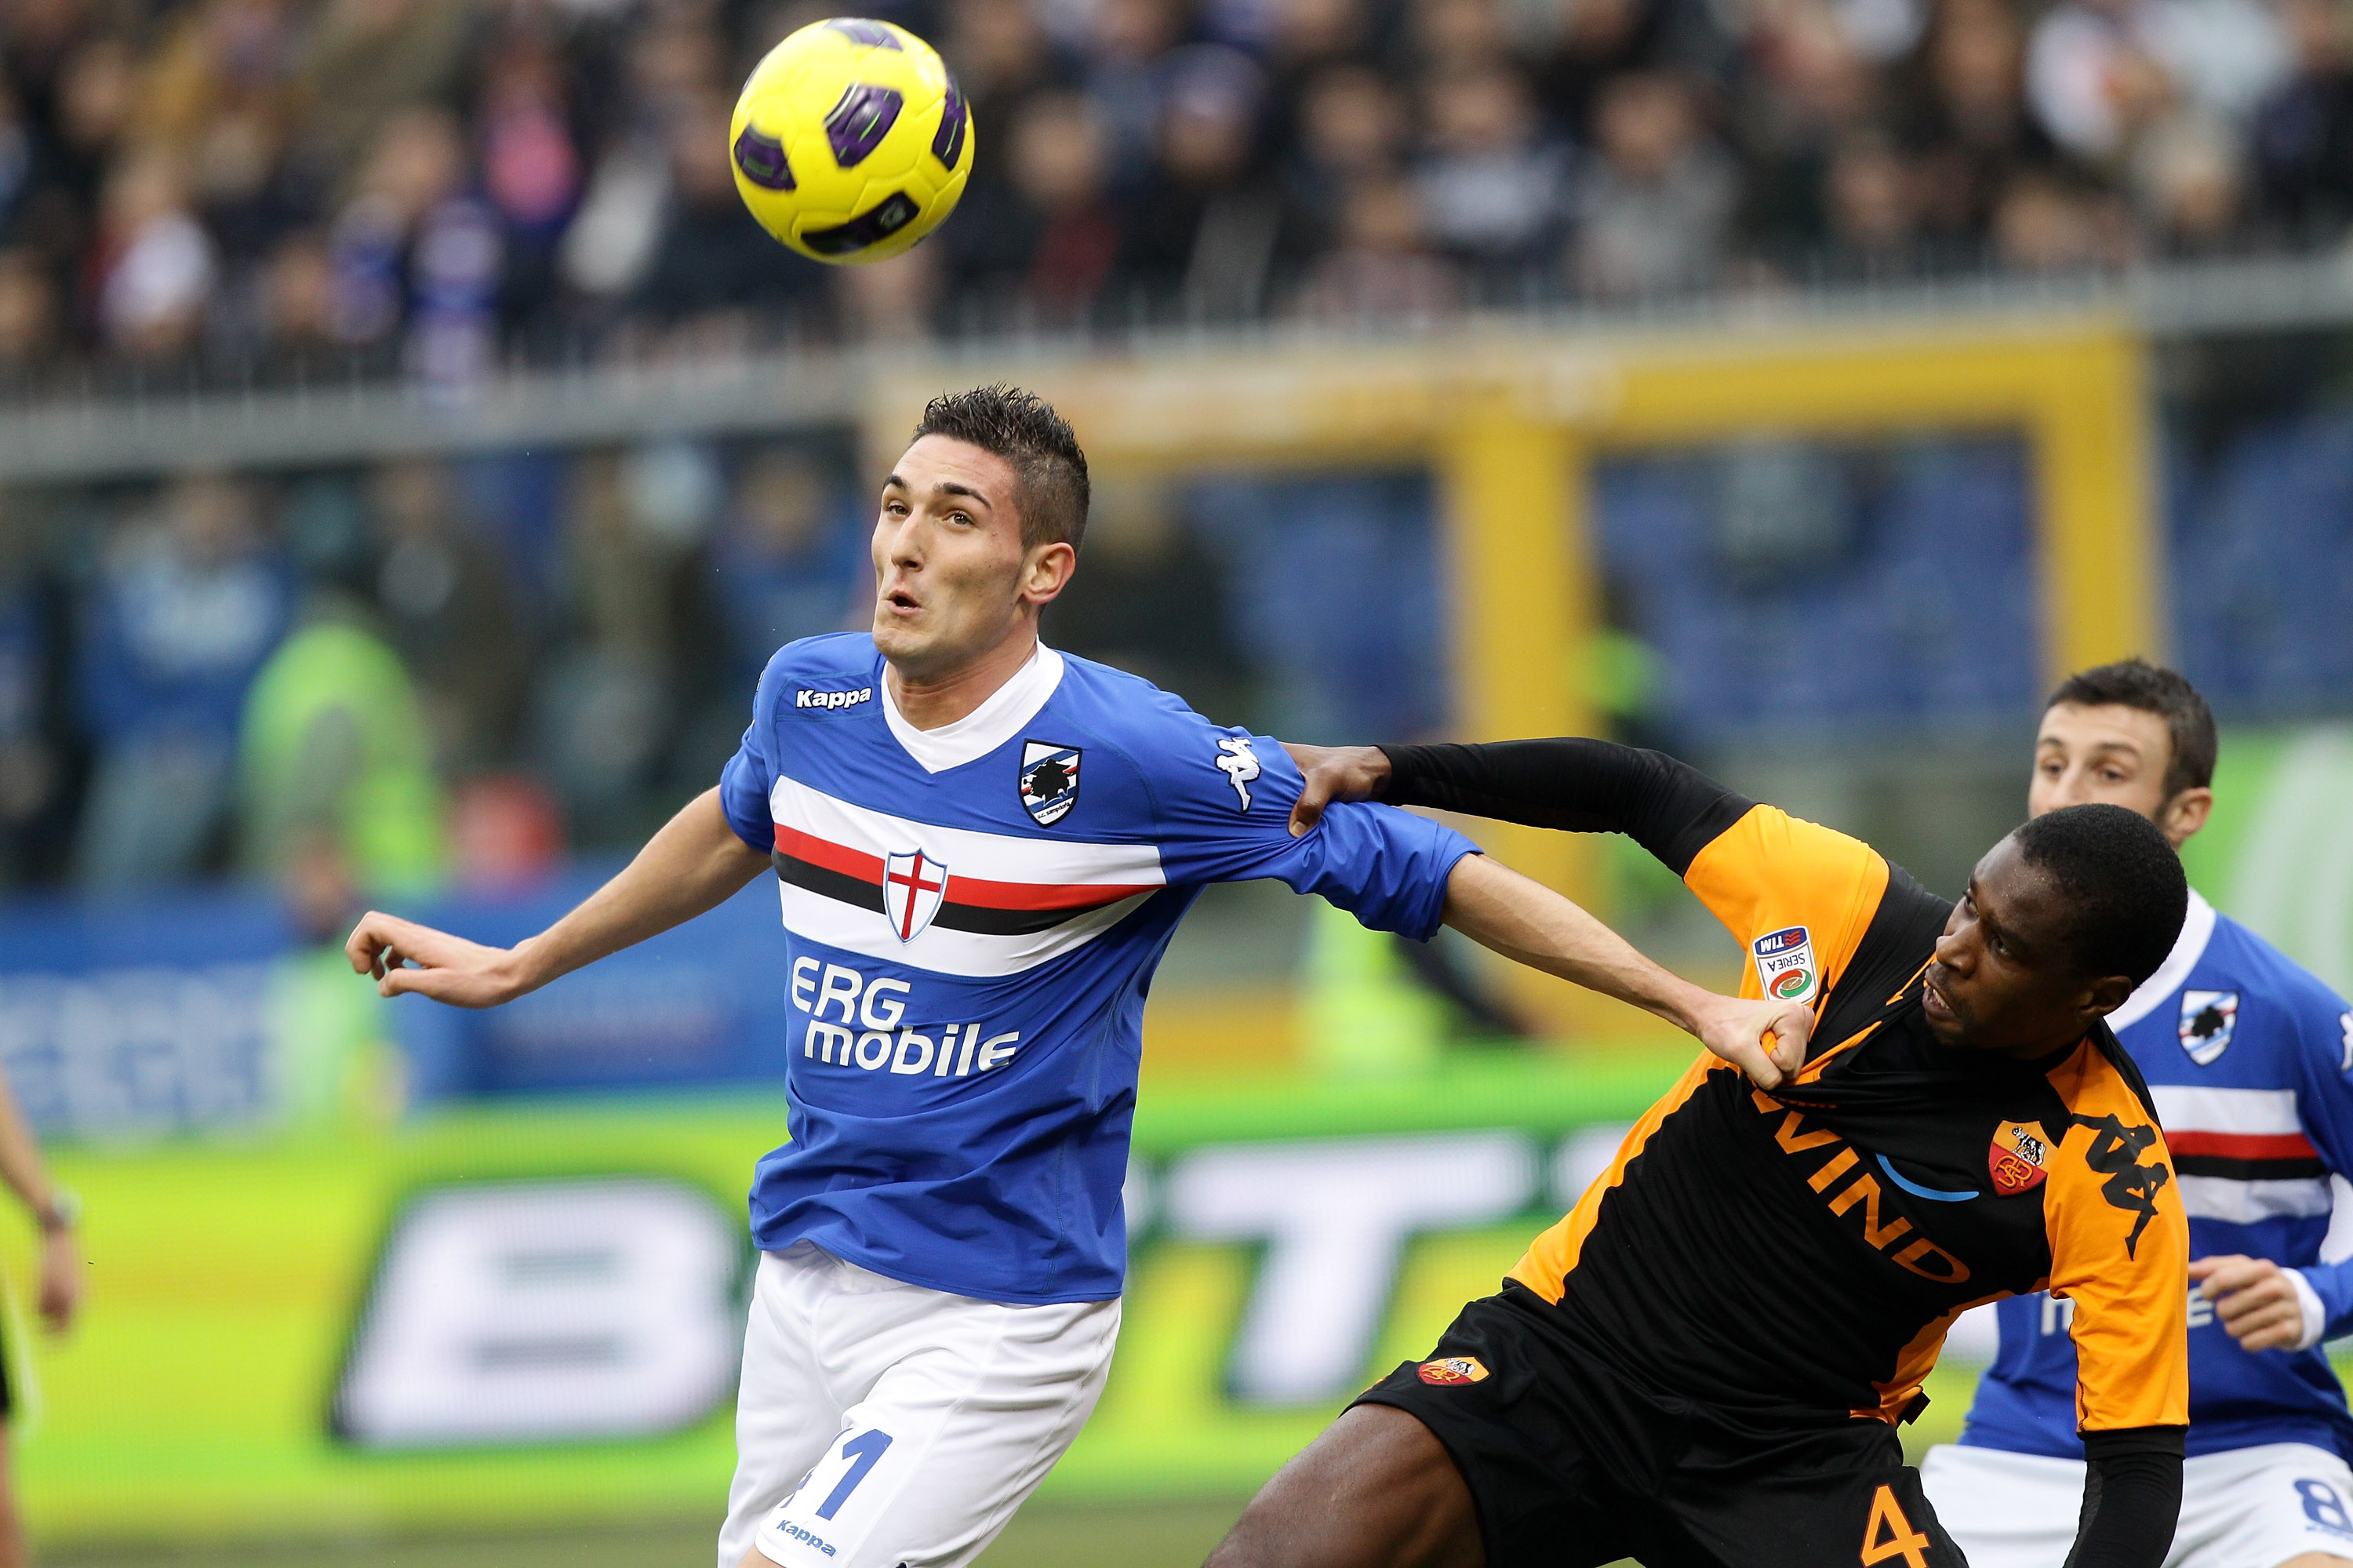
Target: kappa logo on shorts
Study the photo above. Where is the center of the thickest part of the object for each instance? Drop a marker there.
(1785, 964)
(2015, 1161)
(2209, 1019)
(1049, 784)
(1448, 1371)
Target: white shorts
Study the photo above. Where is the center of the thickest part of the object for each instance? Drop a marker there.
(881, 1424)
(2244, 1508)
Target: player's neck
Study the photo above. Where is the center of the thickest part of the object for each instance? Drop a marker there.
(937, 699)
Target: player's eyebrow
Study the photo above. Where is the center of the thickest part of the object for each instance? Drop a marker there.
(1995, 931)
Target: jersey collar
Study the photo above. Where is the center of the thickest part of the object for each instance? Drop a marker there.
(998, 719)
(2197, 931)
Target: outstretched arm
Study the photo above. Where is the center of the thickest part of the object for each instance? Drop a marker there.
(696, 863)
(1530, 924)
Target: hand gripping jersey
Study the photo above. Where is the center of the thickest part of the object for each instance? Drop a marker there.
(2251, 1062)
(1796, 1257)
(972, 917)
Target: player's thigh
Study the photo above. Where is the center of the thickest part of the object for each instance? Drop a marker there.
(949, 1441)
(2263, 1507)
(1838, 1494)
(785, 1413)
(2005, 1509)
(1377, 1490)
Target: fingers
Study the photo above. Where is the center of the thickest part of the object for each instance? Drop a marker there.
(1793, 1027)
(2200, 1268)
(2226, 1275)
(1308, 809)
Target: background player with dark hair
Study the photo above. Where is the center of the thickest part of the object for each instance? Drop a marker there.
(981, 850)
(2251, 1062)
(1707, 1361)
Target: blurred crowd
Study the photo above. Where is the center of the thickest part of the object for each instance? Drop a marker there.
(370, 682)
(279, 188)
(363, 684)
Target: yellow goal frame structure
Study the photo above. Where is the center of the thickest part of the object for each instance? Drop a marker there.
(1511, 418)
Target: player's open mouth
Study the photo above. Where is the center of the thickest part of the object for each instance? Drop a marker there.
(900, 599)
(1932, 1000)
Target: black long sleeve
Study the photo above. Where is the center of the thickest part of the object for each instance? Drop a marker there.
(2132, 1497)
(1668, 807)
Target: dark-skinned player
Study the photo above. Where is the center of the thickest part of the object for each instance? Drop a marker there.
(1706, 1361)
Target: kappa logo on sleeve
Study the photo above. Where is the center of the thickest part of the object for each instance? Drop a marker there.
(1238, 763)
(1448, 1371)
(2131, 1186)
(1785, 964)
(2209, 1018)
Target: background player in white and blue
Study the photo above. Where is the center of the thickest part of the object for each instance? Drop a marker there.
(982, 847)
(2251, 1062)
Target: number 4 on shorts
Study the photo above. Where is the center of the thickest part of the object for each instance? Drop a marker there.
(1889, 1534)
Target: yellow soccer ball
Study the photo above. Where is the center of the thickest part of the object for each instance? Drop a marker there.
(850, 141)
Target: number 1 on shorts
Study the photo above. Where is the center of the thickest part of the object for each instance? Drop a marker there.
(864, 1449)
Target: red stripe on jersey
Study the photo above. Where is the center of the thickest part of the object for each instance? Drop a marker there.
(2243, 1145)
(974, 891)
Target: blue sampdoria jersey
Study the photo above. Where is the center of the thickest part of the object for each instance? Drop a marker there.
(2250, 1059)
(972, 917)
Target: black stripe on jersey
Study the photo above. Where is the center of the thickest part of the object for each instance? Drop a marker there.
(1581, 786)
(2222, 1165)
(979, 919)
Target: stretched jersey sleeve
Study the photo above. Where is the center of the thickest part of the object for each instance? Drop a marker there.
(1222, 802)
(2119, 1248)
(1797, 896)
(751, 773)
(2324, 1104)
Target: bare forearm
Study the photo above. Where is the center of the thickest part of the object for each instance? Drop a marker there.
(20, 1161)
(694, 863)
(1530, 924)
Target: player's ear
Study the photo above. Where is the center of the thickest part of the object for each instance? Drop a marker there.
(1046, 571)
(2105, 995)
(2184, 814)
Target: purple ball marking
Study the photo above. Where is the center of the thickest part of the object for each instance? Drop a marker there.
(762, 159)
(859, 30)
(876, 224)
(948, 142)
(860, 121)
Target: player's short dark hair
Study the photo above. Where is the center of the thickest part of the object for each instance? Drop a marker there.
(1023, 429)
(2153, 689)
(2122, 877)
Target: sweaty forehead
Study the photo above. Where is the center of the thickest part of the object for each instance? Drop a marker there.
(2022, 898)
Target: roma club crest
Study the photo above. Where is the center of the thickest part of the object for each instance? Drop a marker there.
(2018, 1157)
(1049, 780)
(2208, 1019)
(913, 886)
(1451, 1370)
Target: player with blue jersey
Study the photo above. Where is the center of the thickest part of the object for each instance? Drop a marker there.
(981, 849)
(2250, 1061)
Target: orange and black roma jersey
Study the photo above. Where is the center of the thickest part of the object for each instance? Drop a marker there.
(1797, 1256)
